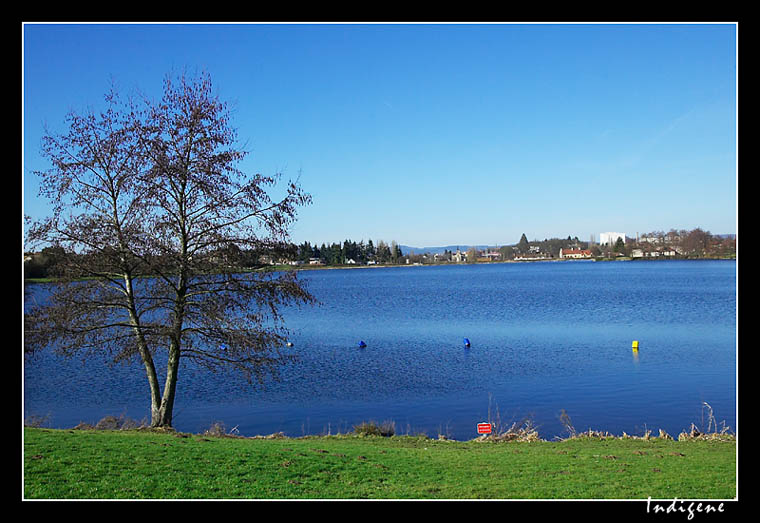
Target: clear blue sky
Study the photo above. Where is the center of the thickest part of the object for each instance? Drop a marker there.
(439, 134)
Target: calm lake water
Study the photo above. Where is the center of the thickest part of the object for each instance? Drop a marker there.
(545, 337)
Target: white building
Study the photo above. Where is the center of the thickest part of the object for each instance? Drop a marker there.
(610, 238)
(575, 253)
(458, 257)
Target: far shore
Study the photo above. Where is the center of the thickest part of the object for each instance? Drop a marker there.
(451, 264)
(268, 268)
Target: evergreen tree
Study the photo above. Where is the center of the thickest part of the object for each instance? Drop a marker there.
(336, 254)
(619, 246)
(395, 252)
(523, 245)
(370, 252)
(304, 252)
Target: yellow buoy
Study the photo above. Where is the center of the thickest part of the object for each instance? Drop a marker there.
(635, 345)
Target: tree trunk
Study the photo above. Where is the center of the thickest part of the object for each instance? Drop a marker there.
(155, 391)
(172, 365)
(147, 359)
(166, 409)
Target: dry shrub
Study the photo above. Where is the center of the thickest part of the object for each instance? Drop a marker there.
(592, 434)
(711, 433)
(113, 423)
(518, 431)
(35, 421)
(647, 436)
(120, 423)
(219, 430)
(276, 435)
(372, 428)
(696, 434)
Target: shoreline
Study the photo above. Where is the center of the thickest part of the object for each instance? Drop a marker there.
(450, 264)
(275, 268)
(523, 433)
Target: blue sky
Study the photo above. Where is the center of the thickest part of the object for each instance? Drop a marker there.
(438, 134)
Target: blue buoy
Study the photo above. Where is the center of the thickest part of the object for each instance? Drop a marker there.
(362, 344)
(467, 343)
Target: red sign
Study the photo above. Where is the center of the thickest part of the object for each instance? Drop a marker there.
(484, 428)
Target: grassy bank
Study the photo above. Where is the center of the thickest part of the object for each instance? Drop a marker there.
(142, 464)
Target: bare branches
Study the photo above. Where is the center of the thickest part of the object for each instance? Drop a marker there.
(157, 213)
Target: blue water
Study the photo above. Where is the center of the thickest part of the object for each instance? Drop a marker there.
(545, 337)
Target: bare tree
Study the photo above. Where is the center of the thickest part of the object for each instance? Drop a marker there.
(98, 216)
(153, 191)
(696, 241)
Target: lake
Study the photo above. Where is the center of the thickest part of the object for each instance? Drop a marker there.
(544, 337)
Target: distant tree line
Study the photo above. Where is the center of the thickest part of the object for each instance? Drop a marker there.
(695, 243)
(548, 247)
(350, 251)
(55, 262)
(51, 262)
(43, 264)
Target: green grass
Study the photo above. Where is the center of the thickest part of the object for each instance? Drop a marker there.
(140, 464)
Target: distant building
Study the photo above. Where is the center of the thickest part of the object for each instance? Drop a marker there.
(672, 237)
(610, 238)
(459, 256)
(651, 239)
(575, 253)
(663, 251)
(532, 257)
(490, 255)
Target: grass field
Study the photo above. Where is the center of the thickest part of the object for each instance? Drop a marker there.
(142, 464)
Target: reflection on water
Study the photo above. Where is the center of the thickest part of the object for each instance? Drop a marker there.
(544, 337)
